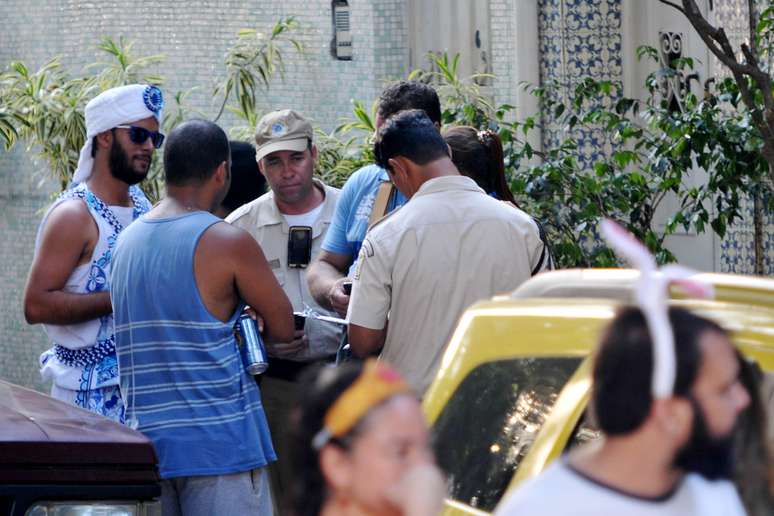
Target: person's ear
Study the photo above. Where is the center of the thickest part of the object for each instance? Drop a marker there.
(260, 167)
(397, 167)
(105, 139)
(674, 417)
(222, 172)
(313, 152)
(336, 467)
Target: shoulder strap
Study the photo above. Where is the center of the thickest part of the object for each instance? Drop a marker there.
(546, 252)
(386, 190)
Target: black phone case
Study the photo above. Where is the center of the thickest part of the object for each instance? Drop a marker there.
(299, 246)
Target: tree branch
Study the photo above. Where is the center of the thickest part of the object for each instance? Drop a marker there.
(713, 37)
(762, 79)
(753, 24)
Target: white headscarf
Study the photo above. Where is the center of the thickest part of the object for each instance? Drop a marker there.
(116, 106)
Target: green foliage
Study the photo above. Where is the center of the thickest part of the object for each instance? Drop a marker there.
(348, 147)
(250, 64)
(656, 150)
(764, 32)
(655, 154)
(463, 102)
(45, 108)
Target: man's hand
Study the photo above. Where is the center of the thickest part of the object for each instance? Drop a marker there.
(324, 276)
(338, 297)
(286, 349)
(255, 317)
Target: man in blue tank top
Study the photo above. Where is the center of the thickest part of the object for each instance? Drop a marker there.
(181, 277)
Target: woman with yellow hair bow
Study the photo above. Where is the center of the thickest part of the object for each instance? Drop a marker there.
(362, 446)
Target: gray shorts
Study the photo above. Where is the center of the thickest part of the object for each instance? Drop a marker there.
(223, 495)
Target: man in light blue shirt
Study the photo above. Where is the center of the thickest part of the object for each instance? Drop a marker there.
(329, 272)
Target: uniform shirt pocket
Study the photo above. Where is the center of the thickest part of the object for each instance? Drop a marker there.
(279, 272)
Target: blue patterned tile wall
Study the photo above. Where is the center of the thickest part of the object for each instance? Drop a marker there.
(579, 39)
(738, 246)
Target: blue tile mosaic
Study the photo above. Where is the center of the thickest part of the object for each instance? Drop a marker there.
(738, 247)
(579, 39)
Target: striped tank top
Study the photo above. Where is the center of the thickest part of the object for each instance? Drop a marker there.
(182, 378)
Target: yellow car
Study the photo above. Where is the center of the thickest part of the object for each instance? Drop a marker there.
(512, 389)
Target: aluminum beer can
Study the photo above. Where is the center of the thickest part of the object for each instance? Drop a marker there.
(252, 349)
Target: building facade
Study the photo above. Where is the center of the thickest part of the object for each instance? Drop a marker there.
(537, 41)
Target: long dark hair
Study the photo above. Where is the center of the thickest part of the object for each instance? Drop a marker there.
(321, 387)
(479, 155)
(754, 473)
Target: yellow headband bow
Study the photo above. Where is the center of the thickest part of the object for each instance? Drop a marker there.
(376, 383)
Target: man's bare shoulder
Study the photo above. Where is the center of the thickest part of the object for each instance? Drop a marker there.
(226, 239)
(70, 210)
(69, 219)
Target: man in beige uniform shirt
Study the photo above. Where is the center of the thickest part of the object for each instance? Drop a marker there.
(286, 157)
(423, 265)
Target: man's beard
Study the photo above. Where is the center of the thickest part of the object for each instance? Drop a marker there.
(121, 167)
(711, 457)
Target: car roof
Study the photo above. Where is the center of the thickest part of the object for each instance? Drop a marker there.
(619, 284)
(514, 326)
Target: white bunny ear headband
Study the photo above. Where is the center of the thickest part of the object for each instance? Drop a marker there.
(651, 294)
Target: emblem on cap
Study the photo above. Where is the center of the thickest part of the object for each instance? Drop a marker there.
(153, 99)
(278, 129)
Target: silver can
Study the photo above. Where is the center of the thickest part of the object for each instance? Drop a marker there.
(252, 348)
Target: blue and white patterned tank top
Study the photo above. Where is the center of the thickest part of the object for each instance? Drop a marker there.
(83, 355)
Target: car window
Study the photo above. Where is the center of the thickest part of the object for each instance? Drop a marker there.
(490, 423)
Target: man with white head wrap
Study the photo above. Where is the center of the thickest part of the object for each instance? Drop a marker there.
(68, 286)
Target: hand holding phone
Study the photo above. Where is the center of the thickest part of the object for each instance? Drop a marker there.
(339, 295)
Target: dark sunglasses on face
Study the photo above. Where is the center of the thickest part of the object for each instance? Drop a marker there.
(138, 135)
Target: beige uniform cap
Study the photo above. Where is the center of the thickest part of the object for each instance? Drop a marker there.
(281, 130)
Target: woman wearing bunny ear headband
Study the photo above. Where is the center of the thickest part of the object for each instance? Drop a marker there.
(666, 396)
(362, 446)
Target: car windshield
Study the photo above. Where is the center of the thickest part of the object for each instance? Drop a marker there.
(490, 423)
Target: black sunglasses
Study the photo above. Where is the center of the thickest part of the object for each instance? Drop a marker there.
(138, 135)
